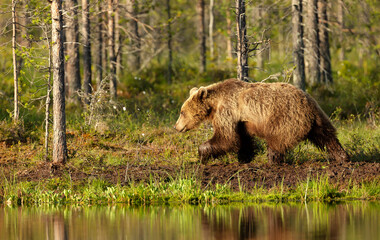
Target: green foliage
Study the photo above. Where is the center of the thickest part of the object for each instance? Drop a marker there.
(355, 89)
(12, 132)
(361, 140)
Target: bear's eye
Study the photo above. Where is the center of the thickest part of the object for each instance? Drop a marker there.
(182, 113)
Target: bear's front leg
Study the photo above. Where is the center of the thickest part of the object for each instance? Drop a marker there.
(211, 149)
(204, 152)
(222, 142)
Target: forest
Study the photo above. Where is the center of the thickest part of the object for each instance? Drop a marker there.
(90, 91)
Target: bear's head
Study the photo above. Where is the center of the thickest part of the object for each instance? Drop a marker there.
(194, 110)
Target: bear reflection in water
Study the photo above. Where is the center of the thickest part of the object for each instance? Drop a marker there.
(279, 113)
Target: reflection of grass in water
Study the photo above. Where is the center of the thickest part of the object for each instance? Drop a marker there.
(307, 221)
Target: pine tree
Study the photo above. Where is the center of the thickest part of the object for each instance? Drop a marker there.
(72, 49)
(59, 117)
(87, 75)
(298, 46)
(242, 41)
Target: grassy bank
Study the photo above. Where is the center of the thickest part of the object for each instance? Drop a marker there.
(188, 191)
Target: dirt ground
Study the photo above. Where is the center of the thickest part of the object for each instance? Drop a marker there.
(17, 163)
(249, 175)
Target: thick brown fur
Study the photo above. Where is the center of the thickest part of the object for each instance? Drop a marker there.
(279, 113)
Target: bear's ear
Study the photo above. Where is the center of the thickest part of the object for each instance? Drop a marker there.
(193, 90)
(202, 93)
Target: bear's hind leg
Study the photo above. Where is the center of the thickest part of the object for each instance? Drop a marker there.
(275, 157)
(336, 150)
(247, 144)
(326, 138)
(246, 151)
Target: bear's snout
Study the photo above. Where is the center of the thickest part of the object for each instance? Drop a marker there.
(180, 125)
(182, 129)
(176, 127)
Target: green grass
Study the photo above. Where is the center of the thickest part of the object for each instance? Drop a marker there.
(182, 190)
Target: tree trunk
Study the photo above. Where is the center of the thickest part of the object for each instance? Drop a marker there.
(118, 44)
(242, 41)
(263, 55)
(229, 33)
(48, 99)
(47, 113)
(111, 49)
(100, 46)
(341, 25)
(211, 29)
(59, 118)
(259, 21)
(135, 46)
(87, 76)
(15, 71)
(298, 46)
(170, 50)
(202, 34)
(104, 15)
(325, 58)
(312, 46)
(23, 22)
(72, 49)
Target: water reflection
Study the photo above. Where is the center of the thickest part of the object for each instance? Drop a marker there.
(358, 220)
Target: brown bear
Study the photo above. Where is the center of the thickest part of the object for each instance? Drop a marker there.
(279, 113)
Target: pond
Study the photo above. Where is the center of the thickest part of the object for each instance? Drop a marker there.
(354, 220)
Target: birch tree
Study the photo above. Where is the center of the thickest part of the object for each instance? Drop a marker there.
(48, 93)
(15, 70)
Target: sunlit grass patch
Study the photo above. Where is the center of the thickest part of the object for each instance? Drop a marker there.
(361, 141)
(177, 190)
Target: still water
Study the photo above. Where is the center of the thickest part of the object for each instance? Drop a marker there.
(358, 220)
